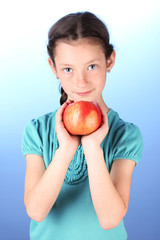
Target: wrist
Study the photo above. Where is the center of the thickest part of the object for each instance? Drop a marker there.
(90, 145)
(67, 151)
(92, 151)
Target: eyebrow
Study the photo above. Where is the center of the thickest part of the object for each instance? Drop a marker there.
(93, 60)
(70, 65)
(65, 65)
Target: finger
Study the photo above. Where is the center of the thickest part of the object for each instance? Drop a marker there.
(61, 110)
(103, 113)
(69, 101)
(59, 115)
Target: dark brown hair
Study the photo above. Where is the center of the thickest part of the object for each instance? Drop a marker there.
(75, 26)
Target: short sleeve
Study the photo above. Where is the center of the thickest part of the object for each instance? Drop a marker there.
(128, 143)
(32, 140)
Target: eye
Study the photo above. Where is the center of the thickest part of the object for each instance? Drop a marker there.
(67, 70)
(92, 67)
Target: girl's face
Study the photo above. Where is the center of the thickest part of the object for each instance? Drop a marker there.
(81, 67)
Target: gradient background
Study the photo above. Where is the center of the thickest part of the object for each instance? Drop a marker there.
(28, 89)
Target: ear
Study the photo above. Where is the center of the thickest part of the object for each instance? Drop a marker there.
(53, 67)
(111, 61)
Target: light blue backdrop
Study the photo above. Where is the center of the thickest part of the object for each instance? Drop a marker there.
(28, 89)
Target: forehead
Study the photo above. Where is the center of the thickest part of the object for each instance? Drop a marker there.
(78, 50)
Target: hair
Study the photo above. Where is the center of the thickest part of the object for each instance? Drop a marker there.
(76, 26)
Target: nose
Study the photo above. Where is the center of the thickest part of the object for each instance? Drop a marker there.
(81, 79)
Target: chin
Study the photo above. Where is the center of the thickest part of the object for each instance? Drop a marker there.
(88, 99)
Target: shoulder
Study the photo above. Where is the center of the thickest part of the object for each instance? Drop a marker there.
(120, 128)
(44, 118)
(42, 121)
(125, 138)
(36, 132)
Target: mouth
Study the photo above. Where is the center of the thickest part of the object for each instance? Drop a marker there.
(84, 94)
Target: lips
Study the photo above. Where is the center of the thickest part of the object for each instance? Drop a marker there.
(83, 94)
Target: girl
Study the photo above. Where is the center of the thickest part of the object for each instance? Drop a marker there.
(78, 187)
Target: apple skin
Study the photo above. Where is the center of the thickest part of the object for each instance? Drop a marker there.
(82, 117)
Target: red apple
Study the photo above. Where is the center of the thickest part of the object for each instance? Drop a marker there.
(82, 118)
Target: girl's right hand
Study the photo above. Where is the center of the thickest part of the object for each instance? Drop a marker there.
(66, 141)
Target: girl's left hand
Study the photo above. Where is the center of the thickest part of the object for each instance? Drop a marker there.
(95, 139)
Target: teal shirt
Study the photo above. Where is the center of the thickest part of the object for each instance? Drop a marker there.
(73, 215)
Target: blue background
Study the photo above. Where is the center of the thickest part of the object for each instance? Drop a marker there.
(28, 89)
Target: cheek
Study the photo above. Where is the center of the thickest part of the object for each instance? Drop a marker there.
(101, 86)
(65, 79)
(65, 85)
(102, 81)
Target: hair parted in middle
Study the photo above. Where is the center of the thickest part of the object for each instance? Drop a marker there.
(76, 26)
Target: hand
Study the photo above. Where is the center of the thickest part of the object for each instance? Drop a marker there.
(66, 141)
(95, 139)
